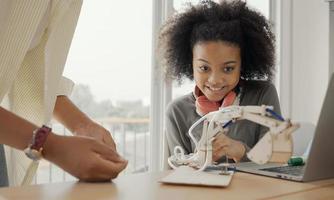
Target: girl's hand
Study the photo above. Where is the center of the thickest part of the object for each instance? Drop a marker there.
(224, 146)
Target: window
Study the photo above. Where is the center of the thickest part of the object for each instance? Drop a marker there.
(260, 5)
(110, 62)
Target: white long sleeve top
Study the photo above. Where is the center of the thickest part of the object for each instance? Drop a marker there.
(35, 38)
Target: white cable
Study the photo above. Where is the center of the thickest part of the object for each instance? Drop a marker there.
(196, 124)
(180, 153)
(171, 164)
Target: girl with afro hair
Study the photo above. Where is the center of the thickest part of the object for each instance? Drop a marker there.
(228, 49)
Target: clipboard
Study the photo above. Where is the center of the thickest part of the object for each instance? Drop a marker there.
(185, 175)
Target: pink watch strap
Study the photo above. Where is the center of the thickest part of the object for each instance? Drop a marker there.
(39, 137)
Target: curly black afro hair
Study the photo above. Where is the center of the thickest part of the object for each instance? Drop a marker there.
(228, 21)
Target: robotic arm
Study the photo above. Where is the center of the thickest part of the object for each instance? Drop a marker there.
(275, 146)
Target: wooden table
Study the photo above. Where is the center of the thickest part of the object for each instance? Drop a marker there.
(146, 186)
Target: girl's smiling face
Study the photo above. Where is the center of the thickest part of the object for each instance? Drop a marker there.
(216, 67)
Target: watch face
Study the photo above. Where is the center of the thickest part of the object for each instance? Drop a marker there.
(33, 154)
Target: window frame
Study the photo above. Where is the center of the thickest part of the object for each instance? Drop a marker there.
(161, 90)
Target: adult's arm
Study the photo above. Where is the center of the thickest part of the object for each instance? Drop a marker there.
(83, 157)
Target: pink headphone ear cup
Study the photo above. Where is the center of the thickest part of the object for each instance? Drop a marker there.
(229, 99)
(205, 105)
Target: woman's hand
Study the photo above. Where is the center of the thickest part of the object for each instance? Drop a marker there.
(78, 123)
(225, 146)
(96, 131)
(84, 157)
(91, 154)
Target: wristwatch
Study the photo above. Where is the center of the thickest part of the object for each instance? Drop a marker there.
(35, 148)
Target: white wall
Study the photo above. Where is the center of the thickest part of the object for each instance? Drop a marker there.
(331, 37)
(306, 67)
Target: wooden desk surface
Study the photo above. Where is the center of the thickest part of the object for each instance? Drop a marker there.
(323, 193)
(146, 186)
